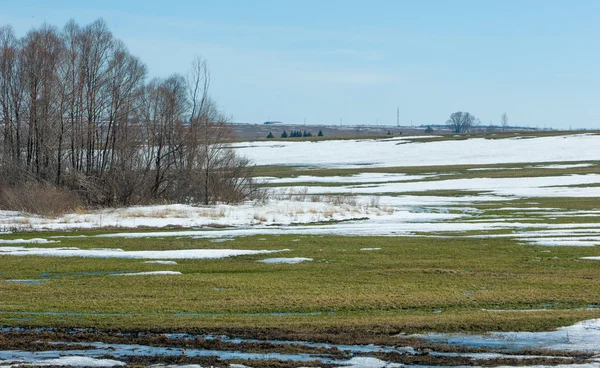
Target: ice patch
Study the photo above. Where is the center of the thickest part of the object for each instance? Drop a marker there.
(582, 336)
(368, 362)
(285, 260)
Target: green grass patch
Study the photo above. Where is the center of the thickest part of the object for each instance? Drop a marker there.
(404, 284)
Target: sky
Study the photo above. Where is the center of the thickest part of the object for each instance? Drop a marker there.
(356, 62)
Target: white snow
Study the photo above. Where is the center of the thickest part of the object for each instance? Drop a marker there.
(162, 262)
(142, 254)
(358, 178)
(370, 248)
(543, 186)
(559, 166)
(369, 362)
(148, 273)
(387, 153)
(285, 260)
(565, 241)
(27, 241)
(279, 211)
(591, 258)
(582, 336)
(362, 206)
(70, 361)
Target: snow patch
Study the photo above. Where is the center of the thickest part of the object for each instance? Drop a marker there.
(70, 361)
(142, 254)
(27, 241)
(148, 273)
(162, 262)
(286, 260)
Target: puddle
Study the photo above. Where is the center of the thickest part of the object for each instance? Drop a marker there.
(518, 347)
(119, 351)
(352, 356)
(583, 336)
(27, 282)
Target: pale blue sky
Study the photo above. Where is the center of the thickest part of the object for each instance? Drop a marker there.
(358, 60)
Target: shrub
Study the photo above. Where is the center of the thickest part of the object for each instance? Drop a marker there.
(39, 199)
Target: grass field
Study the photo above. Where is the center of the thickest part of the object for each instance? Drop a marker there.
(410, 284)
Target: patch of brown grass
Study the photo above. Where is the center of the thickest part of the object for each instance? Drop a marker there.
(39, 199)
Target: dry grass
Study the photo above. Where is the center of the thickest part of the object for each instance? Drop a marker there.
(38, 199)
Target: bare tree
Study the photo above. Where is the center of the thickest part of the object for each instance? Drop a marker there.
(504, 121)
(461, 122)
(76, 112)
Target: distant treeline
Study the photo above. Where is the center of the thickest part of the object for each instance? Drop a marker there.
(78, 113)
(295, 134)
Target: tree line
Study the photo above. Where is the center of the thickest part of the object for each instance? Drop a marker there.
(295, 134)
(78, 112)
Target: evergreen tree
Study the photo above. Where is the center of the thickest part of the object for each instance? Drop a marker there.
(320, 133)
(270, 135)
(284, 134)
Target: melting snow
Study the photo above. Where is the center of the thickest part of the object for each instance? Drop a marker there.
(285, 260)
(387, 153)
(27, 241)
(162, 262)
(147, 273)
(142, 254)
(69, 361)
(582, 336)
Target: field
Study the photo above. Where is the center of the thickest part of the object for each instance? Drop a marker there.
(397, 242)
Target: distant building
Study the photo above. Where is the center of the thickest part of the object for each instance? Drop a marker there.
(272, 122)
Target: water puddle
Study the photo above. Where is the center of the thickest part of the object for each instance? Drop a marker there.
(433, 349)
(583, 336)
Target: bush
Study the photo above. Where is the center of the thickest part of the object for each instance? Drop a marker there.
(38, 199)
